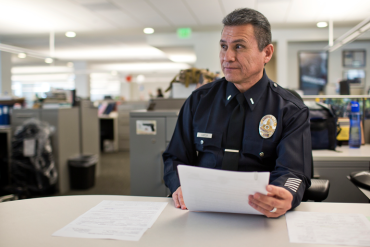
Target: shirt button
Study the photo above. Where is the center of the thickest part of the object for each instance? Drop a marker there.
(262, 154)
(201, 141)
(275, 85)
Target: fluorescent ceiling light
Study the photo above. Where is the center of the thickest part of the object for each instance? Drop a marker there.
(48, 60)
(113, 72)
(41, 69)
(350, 37)
(183, 58)
(22, 55)
(148, 30)
(365, 28)
(70, 34)
(159, 67)
(104, 52)
(70, 65)
(40, 78)
(322, 24)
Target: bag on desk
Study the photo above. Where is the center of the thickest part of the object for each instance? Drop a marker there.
(323, 124)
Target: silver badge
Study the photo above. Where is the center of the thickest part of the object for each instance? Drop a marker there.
(267, 126)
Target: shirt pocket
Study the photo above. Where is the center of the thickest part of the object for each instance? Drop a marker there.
(264, 151)
(203, 144)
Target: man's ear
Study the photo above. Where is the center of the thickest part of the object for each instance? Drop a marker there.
(268, 51)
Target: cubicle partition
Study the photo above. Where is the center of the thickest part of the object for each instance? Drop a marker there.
(65, 140)
(76, 131)
(150, 133)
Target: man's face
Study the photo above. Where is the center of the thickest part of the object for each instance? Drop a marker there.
(241, 60)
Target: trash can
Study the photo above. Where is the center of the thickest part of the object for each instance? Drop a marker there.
(82, 171)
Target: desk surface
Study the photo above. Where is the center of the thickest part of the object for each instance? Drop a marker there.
(343, 153)
(32, 222)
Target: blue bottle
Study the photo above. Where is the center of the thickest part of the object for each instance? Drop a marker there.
(355, 126)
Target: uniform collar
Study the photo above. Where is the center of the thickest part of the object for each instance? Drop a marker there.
(252, 95)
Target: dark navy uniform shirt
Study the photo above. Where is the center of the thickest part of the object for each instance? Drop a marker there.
(286, 154)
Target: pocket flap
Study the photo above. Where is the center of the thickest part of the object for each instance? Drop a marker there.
(261, 149)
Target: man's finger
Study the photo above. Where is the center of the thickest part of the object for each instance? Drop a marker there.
(278, 191)
(276, 214)
(260, 204)
(178, 199)
(181, 199)
(269, 200)
(175, 199)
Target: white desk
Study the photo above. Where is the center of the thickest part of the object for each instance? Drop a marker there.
(31, 223)
(343, 153)
(336, 166)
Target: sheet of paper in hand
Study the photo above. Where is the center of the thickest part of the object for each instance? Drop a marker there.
(214, 190)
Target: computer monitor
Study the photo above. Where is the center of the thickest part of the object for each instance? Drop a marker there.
(313, 71)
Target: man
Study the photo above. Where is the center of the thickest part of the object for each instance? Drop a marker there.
(245, 121)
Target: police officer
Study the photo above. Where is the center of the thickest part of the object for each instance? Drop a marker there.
(245, 121)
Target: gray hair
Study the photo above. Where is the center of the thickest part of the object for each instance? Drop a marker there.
(244, 16)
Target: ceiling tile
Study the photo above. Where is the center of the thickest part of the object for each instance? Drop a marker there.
(231, 5)
(207, 12)
(344, 10)
(37, 16)
(175, 11)
(275, 11)
(304, 11)
(142, 12)
(119, 19)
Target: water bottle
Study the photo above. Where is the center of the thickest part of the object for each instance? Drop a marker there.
(355, 126)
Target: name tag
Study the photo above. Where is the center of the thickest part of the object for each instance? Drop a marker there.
(204, 135)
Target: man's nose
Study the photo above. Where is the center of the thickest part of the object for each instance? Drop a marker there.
(229, 55)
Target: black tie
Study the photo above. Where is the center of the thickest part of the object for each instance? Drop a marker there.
(234, 136)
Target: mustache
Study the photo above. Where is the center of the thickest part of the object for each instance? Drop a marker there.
(230, 66)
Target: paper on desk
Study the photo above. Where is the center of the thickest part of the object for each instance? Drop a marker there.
(328, 228)
(123, 220)
(214, 190)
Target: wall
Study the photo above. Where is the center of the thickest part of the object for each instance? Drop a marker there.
(335, 68)
(5, 73)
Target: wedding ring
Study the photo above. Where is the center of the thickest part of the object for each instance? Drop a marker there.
(273, 210)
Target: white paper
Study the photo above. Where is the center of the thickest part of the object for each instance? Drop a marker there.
(123, 220)
(328, 228)
(29, 146)
(214, 190)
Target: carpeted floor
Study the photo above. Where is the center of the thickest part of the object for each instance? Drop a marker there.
(114, 176)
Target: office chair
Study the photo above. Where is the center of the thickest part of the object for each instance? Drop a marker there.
(319, 189)
(361, 179)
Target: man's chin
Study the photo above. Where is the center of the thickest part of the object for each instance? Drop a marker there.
(231, 78)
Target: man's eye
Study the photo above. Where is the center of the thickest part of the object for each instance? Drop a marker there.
(238, 46)
(223, 46)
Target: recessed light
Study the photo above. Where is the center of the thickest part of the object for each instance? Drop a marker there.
(140, 79)
(48, 60)
(70, 34)
(22, 55)
(322, 24)
(148, 30)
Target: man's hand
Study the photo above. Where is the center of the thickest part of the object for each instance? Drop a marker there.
(277, 197)
(178, 199)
